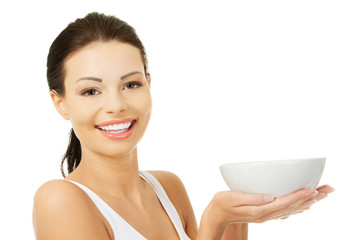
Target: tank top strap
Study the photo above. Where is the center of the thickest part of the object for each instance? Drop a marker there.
(121, 229)
(167, 204)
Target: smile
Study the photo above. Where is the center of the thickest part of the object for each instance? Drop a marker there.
(117, 129)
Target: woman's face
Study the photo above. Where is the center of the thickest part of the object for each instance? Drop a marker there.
(107, 97)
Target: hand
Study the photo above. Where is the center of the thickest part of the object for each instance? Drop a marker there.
(237, 207)
(323, 193)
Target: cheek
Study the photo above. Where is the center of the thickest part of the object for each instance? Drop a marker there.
(143, 109)
(147, 106)
(142, 104)
(83, 117)
(83, 113)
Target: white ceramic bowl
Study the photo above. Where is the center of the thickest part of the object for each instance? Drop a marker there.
(279, 177)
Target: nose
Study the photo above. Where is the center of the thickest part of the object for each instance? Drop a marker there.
(115, 103)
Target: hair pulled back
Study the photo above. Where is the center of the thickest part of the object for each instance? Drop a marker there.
(83, 31)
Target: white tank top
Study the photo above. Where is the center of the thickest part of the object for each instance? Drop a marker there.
(121, 229)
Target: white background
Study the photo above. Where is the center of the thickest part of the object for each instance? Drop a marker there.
(231, 81)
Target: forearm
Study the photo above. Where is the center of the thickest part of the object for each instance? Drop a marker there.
(208, 231)
(237, 231)
(213, 228)
(210, 228)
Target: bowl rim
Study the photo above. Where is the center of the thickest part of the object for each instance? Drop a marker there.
(275, 161)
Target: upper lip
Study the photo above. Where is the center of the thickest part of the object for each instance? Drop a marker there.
(116, 121)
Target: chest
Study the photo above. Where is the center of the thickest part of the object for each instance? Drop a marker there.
(151, 220)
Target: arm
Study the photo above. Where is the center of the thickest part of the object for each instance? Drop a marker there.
(178, 196)
(236, 231)
(228, 214)
(231, 207)
(62, 211)
(226, 217)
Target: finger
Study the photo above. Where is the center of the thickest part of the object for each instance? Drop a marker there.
(297, 212)
(321, 187)
(292, 200)
(326, 189)
(307, 204)
(257, 209)
(287, 204)
(287, 215)
(320, 196)
(280, 218)
(240, 199)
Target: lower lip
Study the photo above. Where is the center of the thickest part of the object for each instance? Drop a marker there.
(118, 136)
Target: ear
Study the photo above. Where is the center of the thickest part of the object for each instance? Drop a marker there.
(149, 79)
(59, 104)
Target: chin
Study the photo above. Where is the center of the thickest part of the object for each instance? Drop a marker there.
(116, 151)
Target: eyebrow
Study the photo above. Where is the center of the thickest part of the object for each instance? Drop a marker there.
(100, 80)
(130, 74)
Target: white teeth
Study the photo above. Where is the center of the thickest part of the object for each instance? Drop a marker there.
(121, 131)
(116, 127)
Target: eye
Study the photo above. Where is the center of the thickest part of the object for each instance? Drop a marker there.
(131, 85)
(90, 92)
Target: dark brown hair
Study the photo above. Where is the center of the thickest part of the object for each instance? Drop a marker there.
(83, 31)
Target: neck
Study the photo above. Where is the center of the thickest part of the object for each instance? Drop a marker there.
(114, 176)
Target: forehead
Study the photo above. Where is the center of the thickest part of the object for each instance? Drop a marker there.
(103, 59)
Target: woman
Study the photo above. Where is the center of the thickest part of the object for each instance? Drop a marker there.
(98, 78)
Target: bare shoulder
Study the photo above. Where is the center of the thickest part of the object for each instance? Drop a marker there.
(168, 179)
(55, 191)
(175, 190)
(61, 210)
(177, 194)
(172, 184)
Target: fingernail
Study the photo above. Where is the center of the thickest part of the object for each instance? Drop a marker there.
(331, 190)
(313, 194)
(268, 198)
